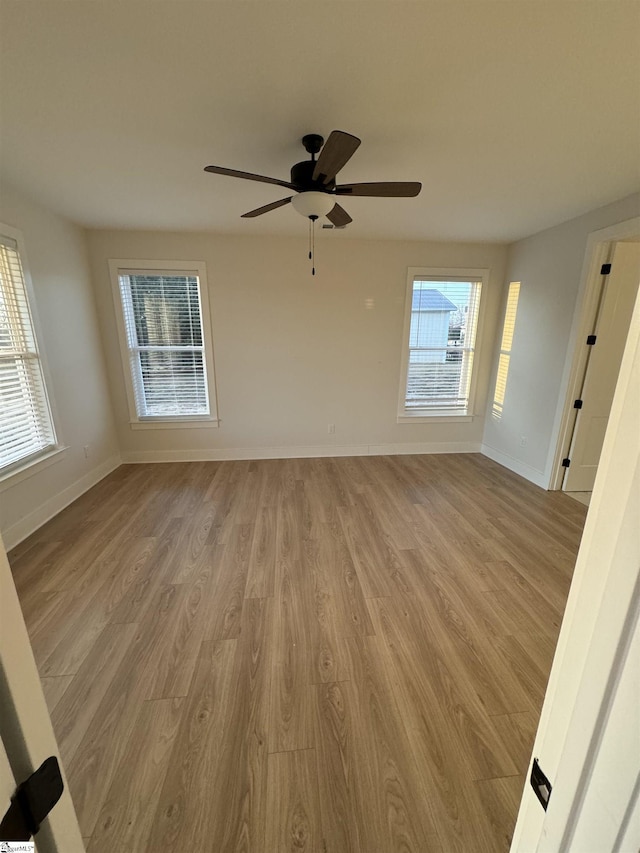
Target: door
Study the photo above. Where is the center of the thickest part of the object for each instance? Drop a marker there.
(602, 368)
(588, 739)
(26, 734)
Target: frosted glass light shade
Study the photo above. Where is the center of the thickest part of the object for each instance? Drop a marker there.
(313, 203)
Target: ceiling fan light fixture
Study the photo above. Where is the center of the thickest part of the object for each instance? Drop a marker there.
(313, 204)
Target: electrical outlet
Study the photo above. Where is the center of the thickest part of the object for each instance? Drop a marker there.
(523, 441)
(87, 451)
(331, 428)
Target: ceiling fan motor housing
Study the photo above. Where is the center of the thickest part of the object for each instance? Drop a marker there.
(302, 176)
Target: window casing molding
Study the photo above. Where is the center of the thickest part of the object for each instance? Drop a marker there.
(25, 465)
(443, 414)
(124, 266)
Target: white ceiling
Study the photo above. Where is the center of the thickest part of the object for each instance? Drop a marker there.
(515, 115)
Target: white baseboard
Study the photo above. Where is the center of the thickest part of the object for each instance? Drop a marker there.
(13, 535)
(300, 452)
(538, 478)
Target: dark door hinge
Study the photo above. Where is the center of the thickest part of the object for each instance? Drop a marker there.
(566, 462)
(577, 404)
(605, 269)
(591, 339)
(540, 784)
(32, 802)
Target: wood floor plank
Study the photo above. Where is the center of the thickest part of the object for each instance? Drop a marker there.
(327, 655)
(291, 711)
(240, 789)
(324, 651)
(139, 596)
(126, 818)
(90, 616)
(54, 689)
(94, 763)
(182, 817)
(229, 582)
(352, 616)
(374, 558)
(174, 657)
(369, 801)
(88, 690)
(467, 642)
(195, 551)
(441, 686)
(262, 560)
(500, 797)
(517, 733)
(293, 822)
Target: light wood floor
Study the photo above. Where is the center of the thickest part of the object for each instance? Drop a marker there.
(325, 655)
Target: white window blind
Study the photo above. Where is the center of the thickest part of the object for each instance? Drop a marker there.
(442, 333)
(163, 323)
(26, 427)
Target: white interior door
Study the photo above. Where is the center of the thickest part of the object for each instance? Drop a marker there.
(588, 739)
(603, 368)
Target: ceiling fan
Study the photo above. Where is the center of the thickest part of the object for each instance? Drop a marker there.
(314, 181)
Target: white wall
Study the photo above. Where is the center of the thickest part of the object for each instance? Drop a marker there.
(293, 352)
(70, 338)
(549, 266)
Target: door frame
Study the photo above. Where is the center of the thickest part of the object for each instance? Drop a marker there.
(600, 246)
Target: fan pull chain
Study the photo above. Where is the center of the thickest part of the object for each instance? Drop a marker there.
(312, 242)
(313, 245)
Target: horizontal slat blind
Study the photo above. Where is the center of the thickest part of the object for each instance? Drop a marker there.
(163, 321)
(26, 428)
(444, 317)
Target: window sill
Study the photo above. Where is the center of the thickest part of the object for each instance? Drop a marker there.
(200, 423)
(10, 478)
(436, 417)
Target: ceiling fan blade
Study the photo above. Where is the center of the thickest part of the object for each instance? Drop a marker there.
(249, 176)
(337, 150)
(338, 216)
(266, 208)
(395, 189)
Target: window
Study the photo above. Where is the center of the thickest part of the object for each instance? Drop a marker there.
(163, 325)
(441, 322)
(26, 425)
(505, 349)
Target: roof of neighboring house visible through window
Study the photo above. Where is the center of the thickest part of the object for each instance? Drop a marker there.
(431, 300)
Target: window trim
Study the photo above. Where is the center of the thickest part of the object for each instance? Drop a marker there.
(21, 468)
(117, 266)
(464, 274)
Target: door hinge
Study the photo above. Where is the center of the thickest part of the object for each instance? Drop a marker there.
(32, 802)
(566, 462)
(540, 784)
(591, 339)
(577, 404)
(605, 269)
